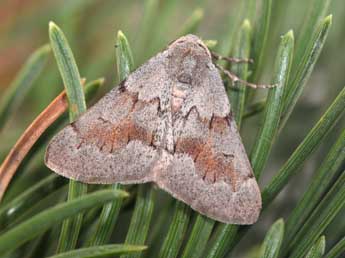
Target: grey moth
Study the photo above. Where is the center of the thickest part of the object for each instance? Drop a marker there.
(169, 123)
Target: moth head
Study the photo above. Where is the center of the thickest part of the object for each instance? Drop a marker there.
(191, 56)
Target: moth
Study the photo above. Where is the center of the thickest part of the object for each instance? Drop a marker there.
(169, 123)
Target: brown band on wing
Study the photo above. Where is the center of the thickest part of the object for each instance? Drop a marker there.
(219, 124)
(216, 166)
(212, 166)
(109, 137)
(207, 165)
(136, 132)
(191, 146)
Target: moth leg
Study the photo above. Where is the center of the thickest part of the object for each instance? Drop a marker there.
(218, 57)
(234, 78)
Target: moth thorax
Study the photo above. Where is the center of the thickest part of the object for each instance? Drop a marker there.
(186, 70)
(179, 94)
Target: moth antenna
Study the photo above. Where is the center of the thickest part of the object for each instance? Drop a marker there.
(234, 78)
(231, 59)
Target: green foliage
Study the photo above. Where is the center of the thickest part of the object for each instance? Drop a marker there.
(322, 215)
(100, 251)
(198, 238)
(321, 181)
(106, 221)
(273, 240)
(304, 68)
(34, 208)
(237, 96)
(176, 232)
(46, 219)
(191, 25)
(20, 86)
(124, 57)
(77, 105)
(141, 218)
(274, 103)
(261, 35)
(337, 250)
(318, 249)
(22, 202)
(305, 149)
(68, 70)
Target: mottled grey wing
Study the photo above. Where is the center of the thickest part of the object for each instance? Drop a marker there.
(113, 141)
(209, 169)
(212, 174)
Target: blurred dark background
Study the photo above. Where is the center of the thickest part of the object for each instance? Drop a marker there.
(91, 27)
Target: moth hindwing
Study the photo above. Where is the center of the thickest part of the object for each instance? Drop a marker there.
(169, 123)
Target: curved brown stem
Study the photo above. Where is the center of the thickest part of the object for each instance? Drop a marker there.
(14, 158)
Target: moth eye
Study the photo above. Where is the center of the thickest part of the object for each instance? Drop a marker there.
(185, 78)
